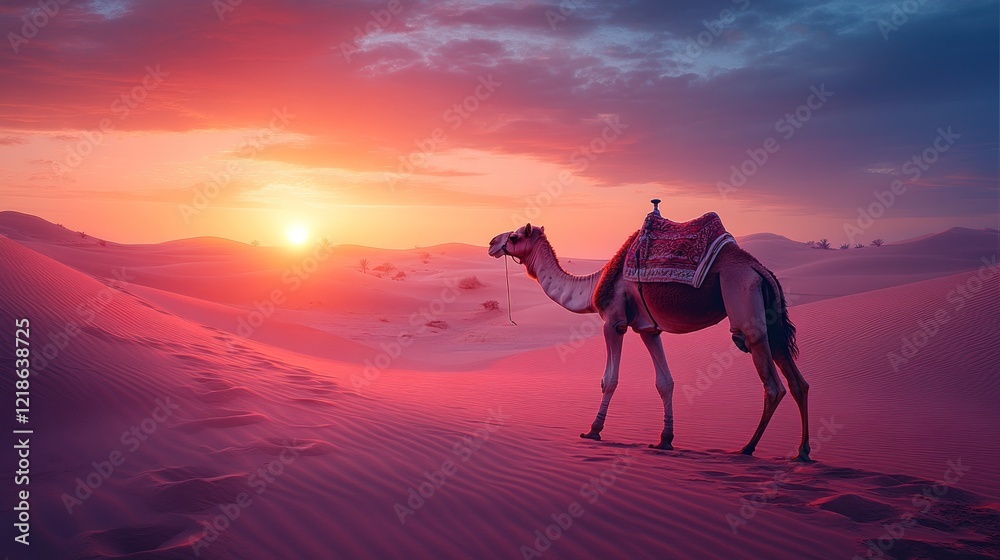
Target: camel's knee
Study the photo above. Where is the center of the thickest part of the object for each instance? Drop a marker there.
(665, 387)
(796, 382)
(608, 386)
(774, 393)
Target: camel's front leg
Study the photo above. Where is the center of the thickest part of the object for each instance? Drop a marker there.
(664, 385)
(613, 339)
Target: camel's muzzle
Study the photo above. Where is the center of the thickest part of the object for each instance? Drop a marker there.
(497, 245)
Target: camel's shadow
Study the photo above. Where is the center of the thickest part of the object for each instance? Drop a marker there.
(915, 517)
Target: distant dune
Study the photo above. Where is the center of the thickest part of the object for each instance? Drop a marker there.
(401, 419)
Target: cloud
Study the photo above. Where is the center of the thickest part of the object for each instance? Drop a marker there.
(691, 113)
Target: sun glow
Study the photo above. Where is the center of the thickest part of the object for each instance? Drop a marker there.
(298, 235)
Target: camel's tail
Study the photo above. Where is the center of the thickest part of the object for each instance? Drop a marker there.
(780, 330)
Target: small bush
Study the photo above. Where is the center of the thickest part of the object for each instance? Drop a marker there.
(82, 235)
(399, 276)
(102, 243)
(823, 244)
(491, 305)
(255, 243)
(878, 242)
(859, 245)
(436, 325)
(845, 246)
(470, 283)
(385, 268)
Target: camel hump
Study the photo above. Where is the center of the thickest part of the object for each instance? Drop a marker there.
(605, 292)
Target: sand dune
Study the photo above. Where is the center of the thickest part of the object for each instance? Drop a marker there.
(810, 274)
(489, 434)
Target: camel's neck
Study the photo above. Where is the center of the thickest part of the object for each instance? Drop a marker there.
(575, 293)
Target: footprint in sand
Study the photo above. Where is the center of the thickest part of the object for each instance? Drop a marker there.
(172, 538)
(857, 508)
(195, 494)
(276, 446)
(222, 419)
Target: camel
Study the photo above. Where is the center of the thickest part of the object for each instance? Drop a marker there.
(736, 286)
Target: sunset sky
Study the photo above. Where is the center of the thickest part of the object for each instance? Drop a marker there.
(402, 123)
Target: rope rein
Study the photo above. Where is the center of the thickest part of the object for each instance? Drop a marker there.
(506, 275)
(643, 242)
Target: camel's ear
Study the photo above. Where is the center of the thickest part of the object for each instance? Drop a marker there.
(541, 229)
(527, 230)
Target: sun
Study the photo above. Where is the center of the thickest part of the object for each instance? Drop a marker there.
(298, 235)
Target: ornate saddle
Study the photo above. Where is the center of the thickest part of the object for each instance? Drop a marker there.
(669, 251)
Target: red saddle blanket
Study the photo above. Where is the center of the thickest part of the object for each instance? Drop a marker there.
(668, 251)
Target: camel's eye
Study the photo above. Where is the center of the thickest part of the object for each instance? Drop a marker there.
(513, 238)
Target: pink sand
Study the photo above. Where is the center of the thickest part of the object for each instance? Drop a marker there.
(490, 411)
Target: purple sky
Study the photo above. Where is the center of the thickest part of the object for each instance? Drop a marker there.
(670, 95)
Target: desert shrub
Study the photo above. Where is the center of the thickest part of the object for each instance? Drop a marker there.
(102, 243)
(470, 283)
(399, 276)
(845, 246)
(255, 243)
(491, 305)
(859, 245)
(878, 242)
(436, 324)
(385, 268)
(823, 244)
(364, 264)
(82, 235)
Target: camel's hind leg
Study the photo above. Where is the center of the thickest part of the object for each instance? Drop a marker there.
(741, 291)
(613, 339)
(800, 392)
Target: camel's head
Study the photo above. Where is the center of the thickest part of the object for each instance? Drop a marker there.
(518, 243)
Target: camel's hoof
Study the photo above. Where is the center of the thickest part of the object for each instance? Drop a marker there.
(747, 451)
(802, 458)
(596, 436)
(662, 445)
